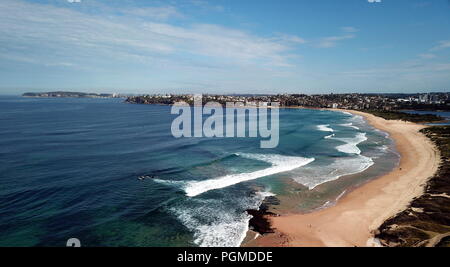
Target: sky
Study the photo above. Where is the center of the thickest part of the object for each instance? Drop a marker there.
(225, 46)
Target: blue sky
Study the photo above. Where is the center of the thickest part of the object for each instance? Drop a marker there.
(225, 46)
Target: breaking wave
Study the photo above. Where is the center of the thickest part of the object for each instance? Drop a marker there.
(351, 144)
(350, 124)
(279, 164)
(324, 128)
(312, 176)
(226, 228)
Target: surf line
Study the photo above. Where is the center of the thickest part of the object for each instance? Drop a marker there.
(285, 164)
(235, 117)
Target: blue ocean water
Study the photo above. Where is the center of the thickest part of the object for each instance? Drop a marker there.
(70, 168)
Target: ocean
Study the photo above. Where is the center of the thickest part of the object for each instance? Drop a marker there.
(70, 168)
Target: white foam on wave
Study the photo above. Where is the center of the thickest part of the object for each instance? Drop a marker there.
(279, 164)
(350, 124)
(228, 231)
(324, 128)
(385, 134)
(346, 113)
(329, 136)
(331, 203)
(313, 176)
(169, 182)
(358, 119)
(216, 226)
(351, 144)
(266, 194)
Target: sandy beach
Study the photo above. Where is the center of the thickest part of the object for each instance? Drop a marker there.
(357, 215)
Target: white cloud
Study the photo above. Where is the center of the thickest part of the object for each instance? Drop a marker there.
(411, 76)
(332, 41)
(158, 13)
(409, 68)
(290, 38)
(349, 29)
(427, 56)
(441, 45)
(207, 5)
(63, 34)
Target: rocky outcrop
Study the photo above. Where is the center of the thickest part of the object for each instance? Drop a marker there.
(260, 218)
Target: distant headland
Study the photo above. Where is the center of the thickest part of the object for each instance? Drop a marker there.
(73, 95)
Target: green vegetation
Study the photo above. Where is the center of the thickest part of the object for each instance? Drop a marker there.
(426, 222)
(441, 136)
(396, 115)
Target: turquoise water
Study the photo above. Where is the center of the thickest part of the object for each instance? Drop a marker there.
(70, 168)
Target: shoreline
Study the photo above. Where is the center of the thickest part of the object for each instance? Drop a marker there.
(356, 217)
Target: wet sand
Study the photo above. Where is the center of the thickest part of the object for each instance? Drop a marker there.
(356, 217)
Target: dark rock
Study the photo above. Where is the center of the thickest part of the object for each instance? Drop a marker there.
(260, 222)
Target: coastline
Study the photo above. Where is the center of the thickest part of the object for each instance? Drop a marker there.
(356, 217)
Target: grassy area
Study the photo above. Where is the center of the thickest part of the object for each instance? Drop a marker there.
(396, 115)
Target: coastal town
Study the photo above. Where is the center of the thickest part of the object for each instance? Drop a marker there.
(355, 101)
(428, 101)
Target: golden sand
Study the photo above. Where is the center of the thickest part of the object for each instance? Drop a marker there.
(355, 218)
